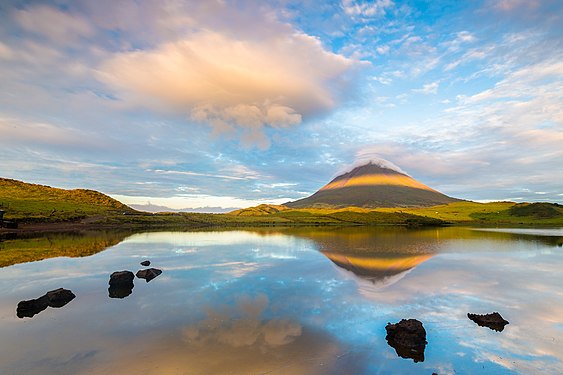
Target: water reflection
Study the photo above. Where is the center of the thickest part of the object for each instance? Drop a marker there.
(293, 301)
(379, 270)
(22, 248)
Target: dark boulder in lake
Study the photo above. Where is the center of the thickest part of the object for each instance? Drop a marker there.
(493, 320)
(148, 274)
(146, 263)
(121, 284)
(54, 298)
(408, 338)
(121, 278)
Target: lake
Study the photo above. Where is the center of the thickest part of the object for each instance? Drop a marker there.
(291, 301)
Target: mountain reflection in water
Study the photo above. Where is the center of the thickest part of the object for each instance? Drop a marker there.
(380, 270)
(292, 301)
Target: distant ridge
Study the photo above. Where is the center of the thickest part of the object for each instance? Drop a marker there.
(373, 185)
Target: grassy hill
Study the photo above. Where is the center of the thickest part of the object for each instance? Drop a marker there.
(494, 213)
(461, 212)
(31, 203)
(38, 203)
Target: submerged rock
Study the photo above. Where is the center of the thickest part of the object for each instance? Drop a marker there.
(54, 298)
(146, 263)
(408, 338)
(148, 274)
(493, 320)
(121, 284)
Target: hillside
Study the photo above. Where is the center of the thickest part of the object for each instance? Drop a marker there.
(26, 202)
(371, 186)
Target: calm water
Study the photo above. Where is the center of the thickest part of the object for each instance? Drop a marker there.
(302, 301)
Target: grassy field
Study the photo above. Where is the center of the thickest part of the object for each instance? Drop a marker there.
(494, 213)
(29, 203)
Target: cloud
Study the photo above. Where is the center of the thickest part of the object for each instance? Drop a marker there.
(370, 155)
(54, 24)
(509, 5)
(429, 88)
(367, 9)
(233, 84)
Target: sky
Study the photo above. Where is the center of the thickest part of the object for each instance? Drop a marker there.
(226, 104)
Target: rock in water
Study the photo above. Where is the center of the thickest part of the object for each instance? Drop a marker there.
(59, 297)
(408, 338)
(493, 320)
(146, 263)
(148, 274)
(121, 284)
(121, 278)
(54, 298)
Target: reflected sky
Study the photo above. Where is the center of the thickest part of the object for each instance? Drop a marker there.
(280, 301)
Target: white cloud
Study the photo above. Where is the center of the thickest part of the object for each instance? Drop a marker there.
(233, 84)
(383, 50)
(197, 200)
(429, 88)
(367, 9)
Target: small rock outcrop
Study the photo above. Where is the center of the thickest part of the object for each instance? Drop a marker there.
(121, 284)
(148, 274)
(493, 320)
(146, 263)
(54, 298)
(408, 338)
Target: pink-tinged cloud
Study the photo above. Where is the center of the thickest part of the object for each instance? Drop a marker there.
(233, 84)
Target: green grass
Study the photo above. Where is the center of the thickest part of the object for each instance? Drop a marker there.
(494, 213)
(29, 203)
(25, 202)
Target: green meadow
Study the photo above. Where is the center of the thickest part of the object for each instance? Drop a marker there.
(30, 203)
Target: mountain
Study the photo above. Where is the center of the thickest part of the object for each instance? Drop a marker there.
(373, 185)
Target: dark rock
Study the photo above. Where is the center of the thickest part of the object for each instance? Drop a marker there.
(54, 298)
(121, 284)
(493, 320)
(121, 278)
(27, 309)
(146, 263)
(59, 297)
(148, 274)
(408, 338)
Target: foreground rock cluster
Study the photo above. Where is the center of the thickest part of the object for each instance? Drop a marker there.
(120, 286)
(408, 337)
(121, 282)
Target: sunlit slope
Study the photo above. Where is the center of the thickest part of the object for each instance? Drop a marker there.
(371, 185)
(490, 213)
(31, 202)
(461, 212)
(324, 216)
